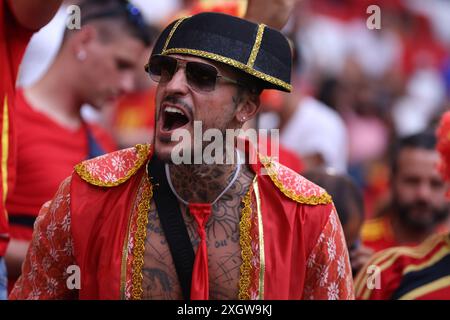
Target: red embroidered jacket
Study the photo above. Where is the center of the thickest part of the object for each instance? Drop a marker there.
(292, 244)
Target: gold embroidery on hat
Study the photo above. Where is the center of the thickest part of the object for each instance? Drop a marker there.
(172, 32)
(231, 62)
(256, 46)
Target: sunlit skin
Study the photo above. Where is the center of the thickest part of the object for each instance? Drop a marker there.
(215, 109)
(114, 63)
(87, 70)
(221, 108)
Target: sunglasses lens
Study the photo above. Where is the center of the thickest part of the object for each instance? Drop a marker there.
(201, 76)
(162, 69)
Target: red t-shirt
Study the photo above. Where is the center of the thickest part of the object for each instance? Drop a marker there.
(13, 41)
(135, 111)
(47, 154)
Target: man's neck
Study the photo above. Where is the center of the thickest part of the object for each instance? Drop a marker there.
(53, 95)
(201, 183)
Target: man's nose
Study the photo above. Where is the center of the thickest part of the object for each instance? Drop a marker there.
(178, 83)
(424, 192)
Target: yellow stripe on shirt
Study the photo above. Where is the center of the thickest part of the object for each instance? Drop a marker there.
(5, 149)
(426, 289)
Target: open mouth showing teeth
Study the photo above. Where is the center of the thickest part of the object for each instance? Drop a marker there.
(173, 119)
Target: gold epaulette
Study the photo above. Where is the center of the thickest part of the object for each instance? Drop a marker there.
(114, 168)
(293, 185)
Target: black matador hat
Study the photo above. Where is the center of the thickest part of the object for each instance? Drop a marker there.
(257, 50)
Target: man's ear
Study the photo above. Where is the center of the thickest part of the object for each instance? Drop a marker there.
(249, 107)
(81, 41)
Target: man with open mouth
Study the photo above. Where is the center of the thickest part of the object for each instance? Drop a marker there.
(138, 226)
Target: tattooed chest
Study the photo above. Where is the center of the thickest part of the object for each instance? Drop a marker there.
(160, 279)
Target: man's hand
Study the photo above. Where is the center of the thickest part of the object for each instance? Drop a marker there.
(274, 13)
(33, 14)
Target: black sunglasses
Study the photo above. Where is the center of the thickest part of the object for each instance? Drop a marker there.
(201, 77)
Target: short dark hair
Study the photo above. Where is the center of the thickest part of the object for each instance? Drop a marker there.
(251, 84)
(346, 195)
(424, 140)
(119, 11)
